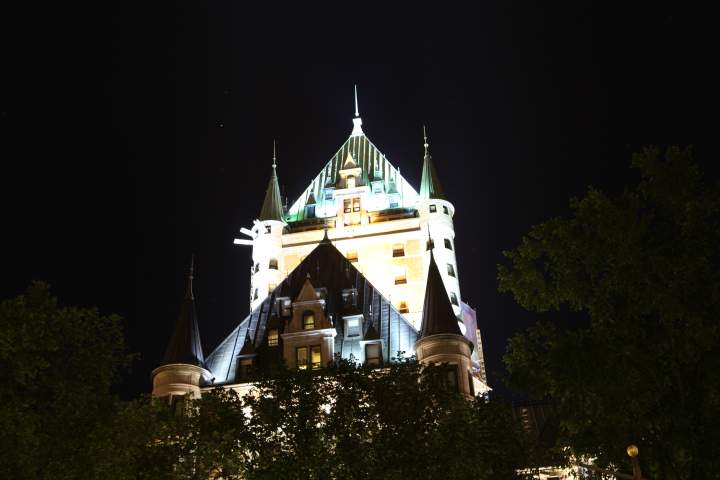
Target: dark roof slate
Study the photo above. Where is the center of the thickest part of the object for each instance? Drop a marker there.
(438, 315)
(272, 205)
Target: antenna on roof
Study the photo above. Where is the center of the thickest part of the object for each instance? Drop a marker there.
(357, 121)
(357, 112)
(426, 144)
(274, 164)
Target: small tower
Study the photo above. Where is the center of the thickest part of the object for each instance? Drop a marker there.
(436, 218)
(267, 242)
(440, 339)
(183, 367)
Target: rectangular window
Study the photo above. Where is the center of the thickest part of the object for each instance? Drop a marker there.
(301, 354)
(352, 327)
(308, 321)
(328, 194)
(398, 250)
(401, 279)
(347, 205)
(403, 308)
(310, 211)
(315, 357)
(448, 244)
(268, 228)
(356, 204)
(433, 209)
(453, 299)
(472, 385)
(445, 210)
(377, 187)
(272, 264)
(450, 270)
(352, 255)
(452, 378)
(271, 287)
(273, 337)
(372, 355)
(350, 181)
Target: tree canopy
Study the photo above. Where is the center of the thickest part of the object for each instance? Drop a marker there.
(642, 266)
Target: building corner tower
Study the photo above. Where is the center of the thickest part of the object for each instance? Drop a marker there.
(182, 370)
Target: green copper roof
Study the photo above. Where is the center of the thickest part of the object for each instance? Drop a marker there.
(272, 205)
(430, 185)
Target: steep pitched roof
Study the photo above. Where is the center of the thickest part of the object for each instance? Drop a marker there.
(185, 346)
(430, 185)
(272, 205)
(438, 315)
(330, 270)
(374, 166)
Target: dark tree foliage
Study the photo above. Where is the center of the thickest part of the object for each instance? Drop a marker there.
(57, 365)
(341, 422)
(643, 266)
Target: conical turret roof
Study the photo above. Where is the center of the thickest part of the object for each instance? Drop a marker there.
(272, 205)
(430, 185)
(438, 315)
(185, 346)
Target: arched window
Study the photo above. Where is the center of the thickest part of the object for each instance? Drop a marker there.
(308, 320)
(272, 264)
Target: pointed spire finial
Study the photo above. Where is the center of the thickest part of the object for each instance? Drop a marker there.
(274, 164)
(189, 292)
(426, 144)
(357, 112)
(357, 121)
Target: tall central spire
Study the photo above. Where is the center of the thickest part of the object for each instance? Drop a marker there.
(272, 205)
(429, 185)
(357, 121)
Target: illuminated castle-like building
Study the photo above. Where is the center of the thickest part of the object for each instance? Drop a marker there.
(361, 266)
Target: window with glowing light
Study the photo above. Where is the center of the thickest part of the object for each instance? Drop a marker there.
(308, 321)
(401, 278)
(356, 204)
(301, 356)
(352, 256)
(273, 337)
(347, 205)
(351, 181)
(273, 264)
(403, 308)
(373, 356)
(315, 357)
(398, 250)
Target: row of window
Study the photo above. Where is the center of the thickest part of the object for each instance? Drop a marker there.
(433, 209)
(272, 265)
(398, 250)
(402, 306)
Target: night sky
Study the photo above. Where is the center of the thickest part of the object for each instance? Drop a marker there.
(135, 136)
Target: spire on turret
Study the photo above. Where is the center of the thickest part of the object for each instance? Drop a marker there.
(272, 205)
(429, 185)
(357, 121)
(438, 316)
(185, 346)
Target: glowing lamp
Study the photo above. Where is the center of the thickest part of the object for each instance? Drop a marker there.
(632, 451)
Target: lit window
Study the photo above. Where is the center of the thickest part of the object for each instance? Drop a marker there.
(315, 357)
(351, 181)
(347, 205)
(267, 228)
(301, 354)
(273, 337)
(433, 209)
(352, 255)
(401, 279)
(372, 355)
(272, 264)
(308, 321)
(352, 327)
(403, 308)
(448, 244)
(272, 287)
(398, 250)
(328, 194)
(453, 299)
(356, 204)
(450, 270)
(445, 210)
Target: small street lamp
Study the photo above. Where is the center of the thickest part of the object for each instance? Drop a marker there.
(632, 452)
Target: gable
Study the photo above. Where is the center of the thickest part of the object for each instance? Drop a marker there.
(327, 268)
(357, 152)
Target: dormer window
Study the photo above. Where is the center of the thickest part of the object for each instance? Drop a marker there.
(308, 322)
(448, 244)
(352, 327)
(351, 181)
(433, 208)
(450, 270)
(377, 187)
(373, 356)
(453, 299)
(403, 308)
(398, 250)
(273, 337)
(328, 194)
(273, 264)
(445, 210)
(310, 211)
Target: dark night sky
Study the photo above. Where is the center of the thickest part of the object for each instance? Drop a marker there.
(133, 136)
